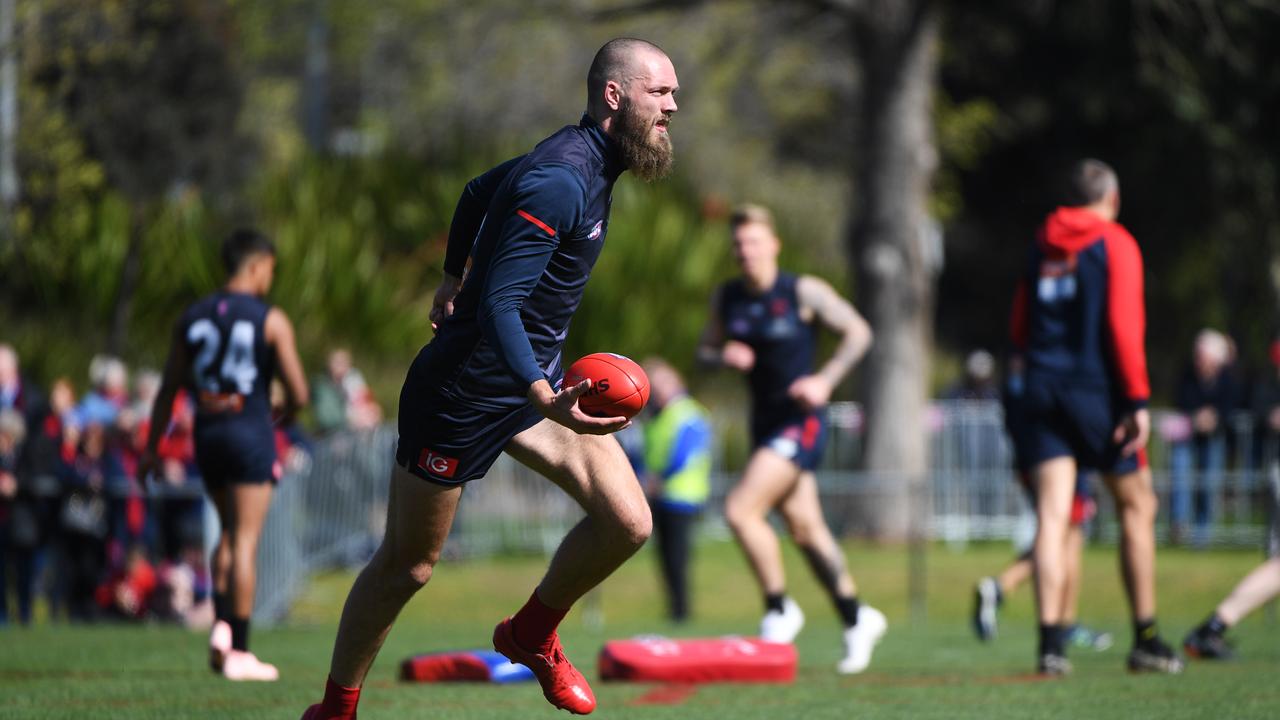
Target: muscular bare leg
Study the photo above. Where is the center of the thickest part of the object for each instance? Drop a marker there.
(802, 512)
(1018, 572)
(1259, 586)
(595, 472)
(1072, 563)
(1136, 505)
(419, 515)
(1055, 481)
(220, 562)
(766, 481)
(250, 503)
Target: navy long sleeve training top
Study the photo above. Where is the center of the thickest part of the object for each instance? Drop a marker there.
(533, 228)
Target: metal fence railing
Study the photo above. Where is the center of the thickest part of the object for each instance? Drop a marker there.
(331, 510)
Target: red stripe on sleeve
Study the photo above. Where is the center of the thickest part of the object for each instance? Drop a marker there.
(545, 227)
(1126, 313)
(1019, 317)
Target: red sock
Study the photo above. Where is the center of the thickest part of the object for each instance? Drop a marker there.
(534, 626)
(339, 702)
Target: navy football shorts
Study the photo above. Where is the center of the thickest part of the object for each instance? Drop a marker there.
(236, 456)
(1065, 420)
(800, 439)
(449, 442)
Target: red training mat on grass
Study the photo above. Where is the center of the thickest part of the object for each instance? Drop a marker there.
(697, 660)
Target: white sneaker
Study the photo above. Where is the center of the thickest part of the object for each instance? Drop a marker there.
(861, 639)
(241, 665)
(986, 601)
(219, 644)
(782, 627)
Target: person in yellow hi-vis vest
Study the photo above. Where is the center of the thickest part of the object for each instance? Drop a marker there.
(677, 476)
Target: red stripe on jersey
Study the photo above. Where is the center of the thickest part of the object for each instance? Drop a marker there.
(545, 227)
(1126, 313)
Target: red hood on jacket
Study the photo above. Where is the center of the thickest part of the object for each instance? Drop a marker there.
(1068, 230)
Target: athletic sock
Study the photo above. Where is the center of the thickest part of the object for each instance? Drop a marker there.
(220, 606)
(848, 609)
(1145, 632)
(534, 626)
(1214, 625)
(773, 602)
(339, 701)
(239, 634)
(1051, 640)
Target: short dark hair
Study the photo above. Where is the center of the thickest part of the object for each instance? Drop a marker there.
(242, 244)
(1089, 182)
(613, 62)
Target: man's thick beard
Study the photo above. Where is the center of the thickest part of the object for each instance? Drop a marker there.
(649, 161)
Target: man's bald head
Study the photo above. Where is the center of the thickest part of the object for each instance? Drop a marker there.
(618, 60)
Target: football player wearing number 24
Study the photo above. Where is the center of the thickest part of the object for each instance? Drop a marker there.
(226, 348)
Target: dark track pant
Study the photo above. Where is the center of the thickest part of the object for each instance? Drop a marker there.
(673, 531)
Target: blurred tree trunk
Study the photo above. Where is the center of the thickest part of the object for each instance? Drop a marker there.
(8, 112)
(896, 43)
(315, 81)
(118, 340)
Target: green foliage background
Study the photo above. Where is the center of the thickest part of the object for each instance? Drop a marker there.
(148, 129)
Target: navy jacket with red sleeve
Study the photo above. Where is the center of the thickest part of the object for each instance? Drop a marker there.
(1078, 315)
(532, 229)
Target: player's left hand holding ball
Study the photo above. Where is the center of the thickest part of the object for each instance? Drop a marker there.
(810, 391)
(562, 407)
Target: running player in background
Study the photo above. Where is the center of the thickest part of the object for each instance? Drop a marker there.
(990, 593)
(1208, 640)
(1079, 320)
(491, 380)
(226, 348)
(765, 325)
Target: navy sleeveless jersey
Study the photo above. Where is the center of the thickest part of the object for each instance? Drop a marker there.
(784, 344)
(231, 370)
(533, 228)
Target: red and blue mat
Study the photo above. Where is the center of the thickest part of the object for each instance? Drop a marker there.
(463, 666)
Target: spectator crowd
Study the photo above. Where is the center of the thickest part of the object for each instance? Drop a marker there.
(77, 527)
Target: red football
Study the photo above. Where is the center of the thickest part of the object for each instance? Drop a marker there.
(618, 386)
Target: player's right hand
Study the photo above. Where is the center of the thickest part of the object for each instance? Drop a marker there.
(442, 303)
(738, 355)
(1133, 432)
(562, 407)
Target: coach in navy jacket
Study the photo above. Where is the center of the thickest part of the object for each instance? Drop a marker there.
(1079, 320)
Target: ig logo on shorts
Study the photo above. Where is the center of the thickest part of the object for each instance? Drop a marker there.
(437, 464)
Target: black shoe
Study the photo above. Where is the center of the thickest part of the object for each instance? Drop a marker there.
(1052, 665)
(1154, 656)
(1205, 644)
(986, 600)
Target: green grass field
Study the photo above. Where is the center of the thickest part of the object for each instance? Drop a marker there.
(929, 667)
